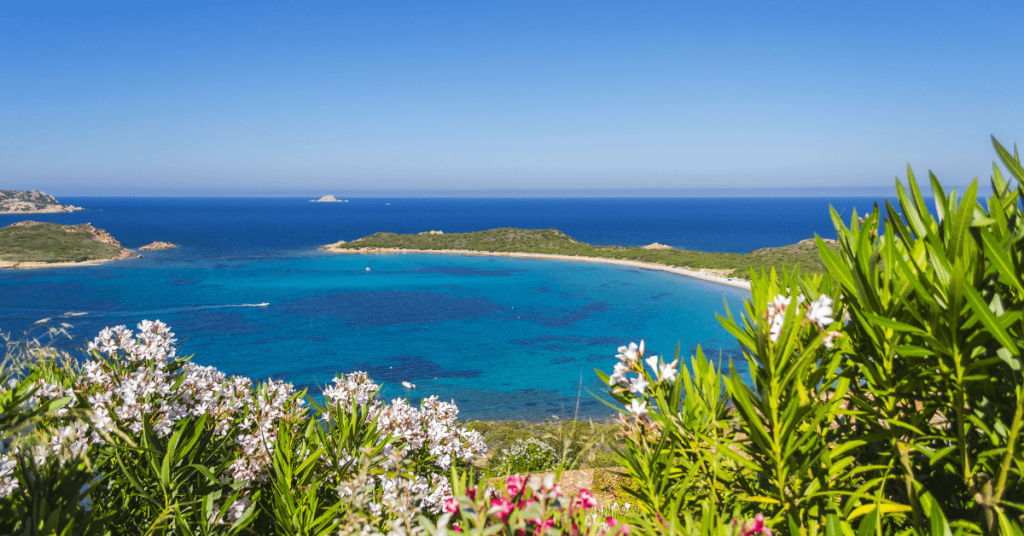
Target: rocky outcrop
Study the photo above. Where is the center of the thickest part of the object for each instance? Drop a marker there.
(31, 202)
(328, 199)
(432, 232)
(155, 246)
(657, 246)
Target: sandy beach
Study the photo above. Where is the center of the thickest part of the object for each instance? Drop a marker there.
(633, 264)
(10, 265)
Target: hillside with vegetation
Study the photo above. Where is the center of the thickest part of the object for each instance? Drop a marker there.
(31, 202)
(40, 242)
(554, 242)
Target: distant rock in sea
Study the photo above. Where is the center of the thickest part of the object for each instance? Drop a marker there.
(328, 199)
(657, 246)
(31, 202)
(158, 245)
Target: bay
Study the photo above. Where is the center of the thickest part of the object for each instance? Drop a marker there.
(504, 338)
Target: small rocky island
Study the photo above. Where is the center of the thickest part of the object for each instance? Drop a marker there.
(328, 199)
(31, 202)
(155, 246)
(31, 244)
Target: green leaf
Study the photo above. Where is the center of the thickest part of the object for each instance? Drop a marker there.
(988, 319)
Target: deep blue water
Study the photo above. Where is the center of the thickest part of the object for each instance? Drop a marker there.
(505, 338)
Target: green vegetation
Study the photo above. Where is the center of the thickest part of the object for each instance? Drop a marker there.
(552, 241)
(577, 444)
(50, 242)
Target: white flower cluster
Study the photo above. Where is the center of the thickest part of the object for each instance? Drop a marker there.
(69, 440)
(629, 361)
(355, 388)
(525, 456)
(132, 385)
(8, 482)
(431, 427)
(273, 403)
(819, 312)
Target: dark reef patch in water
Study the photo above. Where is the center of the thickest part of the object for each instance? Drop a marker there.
(471, 271)
(567, 319)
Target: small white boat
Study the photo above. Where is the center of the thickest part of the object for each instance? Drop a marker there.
(264, 304)
(408, 385)
(367, 268)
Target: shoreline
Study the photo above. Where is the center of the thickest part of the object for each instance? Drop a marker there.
(12, 265)
(736, 283)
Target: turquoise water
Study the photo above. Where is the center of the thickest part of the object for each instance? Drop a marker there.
(504, 338)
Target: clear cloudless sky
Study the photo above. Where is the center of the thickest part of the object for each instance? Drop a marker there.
(294, 98)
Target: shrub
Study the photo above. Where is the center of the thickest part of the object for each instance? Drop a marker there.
(526, 456)
(886, 396)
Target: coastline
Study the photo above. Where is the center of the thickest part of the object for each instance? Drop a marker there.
(13, 265)
(66, 210)
(550, 256)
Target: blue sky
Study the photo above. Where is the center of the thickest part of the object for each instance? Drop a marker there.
(300, 98)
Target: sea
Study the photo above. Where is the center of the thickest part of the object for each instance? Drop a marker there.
(504, 338)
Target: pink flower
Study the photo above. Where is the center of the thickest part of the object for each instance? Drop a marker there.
(451, 505)
(543, 525)
(612, 523)
(471, 493)
(587, 499)
(456, 527)
(747, 528)
(514, 485)
(504, 508)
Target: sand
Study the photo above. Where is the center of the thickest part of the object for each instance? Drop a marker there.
(10, 265)
(738, 283)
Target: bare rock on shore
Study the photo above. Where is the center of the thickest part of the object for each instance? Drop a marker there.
(158, 246)
(328, 199)
(329, 247)
(657, 246)
(432, 232)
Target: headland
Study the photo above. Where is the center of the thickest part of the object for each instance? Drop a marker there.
(31, 202)
(30, 244)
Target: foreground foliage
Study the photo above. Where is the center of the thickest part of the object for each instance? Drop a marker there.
(885, 397)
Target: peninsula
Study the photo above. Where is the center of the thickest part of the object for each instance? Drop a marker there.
(728, 268)
(31, 202)
(30, 244)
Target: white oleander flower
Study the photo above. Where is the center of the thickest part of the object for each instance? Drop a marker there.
(667, 372)
(652, 362)
(631, 352)
(637, 408)
(619, 374)
(820, 311)
(638, 385)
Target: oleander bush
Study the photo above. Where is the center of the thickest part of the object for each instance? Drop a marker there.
(883, 397)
